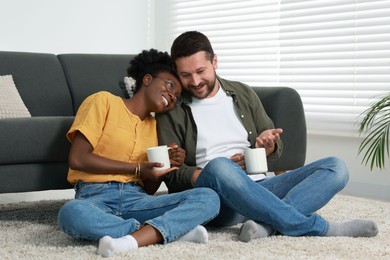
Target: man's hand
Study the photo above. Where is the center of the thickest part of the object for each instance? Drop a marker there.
(268, 138)
(239, 159)
(177, 155)
(195, 176)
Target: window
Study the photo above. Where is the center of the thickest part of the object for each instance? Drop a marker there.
(335, 53)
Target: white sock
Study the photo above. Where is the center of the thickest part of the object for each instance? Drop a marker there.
(353, 228)
(108, 245)
(250, 230)
(198, 235)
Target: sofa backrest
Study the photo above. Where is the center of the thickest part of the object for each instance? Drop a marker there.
(89, 73)
(40, 81)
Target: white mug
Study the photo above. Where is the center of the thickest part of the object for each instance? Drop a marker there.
(255, 160)
(159, 154)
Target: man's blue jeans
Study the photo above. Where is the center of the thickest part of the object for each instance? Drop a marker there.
(287, 202)
(119, 209)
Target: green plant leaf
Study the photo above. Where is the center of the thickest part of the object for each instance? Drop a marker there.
(375, 126)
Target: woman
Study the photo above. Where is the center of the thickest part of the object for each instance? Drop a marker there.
(112, 177)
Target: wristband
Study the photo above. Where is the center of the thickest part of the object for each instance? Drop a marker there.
(138, 171)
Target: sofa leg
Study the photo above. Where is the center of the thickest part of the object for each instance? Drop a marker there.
(279, 172)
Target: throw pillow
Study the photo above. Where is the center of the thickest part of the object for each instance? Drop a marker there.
(11, 104)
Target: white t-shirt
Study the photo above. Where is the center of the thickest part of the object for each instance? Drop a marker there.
(220, 132)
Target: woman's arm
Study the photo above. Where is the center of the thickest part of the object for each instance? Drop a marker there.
(81, 158)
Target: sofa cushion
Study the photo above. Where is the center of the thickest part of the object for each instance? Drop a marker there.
(33, 177)
(40, 81)
(11, 104)
(34, 140)
(91, 73)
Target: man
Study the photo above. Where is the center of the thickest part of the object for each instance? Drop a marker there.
(216, 121)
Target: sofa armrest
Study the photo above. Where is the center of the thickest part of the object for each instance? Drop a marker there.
(284, 106)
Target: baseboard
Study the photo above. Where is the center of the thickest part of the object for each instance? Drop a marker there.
(367, 190)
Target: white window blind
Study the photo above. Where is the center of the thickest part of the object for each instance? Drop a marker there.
(335, 53)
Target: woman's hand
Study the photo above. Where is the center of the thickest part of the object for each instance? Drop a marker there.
(177, 155)
(147, 171)
(151, 178)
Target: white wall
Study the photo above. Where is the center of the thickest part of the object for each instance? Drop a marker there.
(75, 26)
(362, 181)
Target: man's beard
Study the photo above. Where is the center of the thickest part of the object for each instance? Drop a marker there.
(210, 88)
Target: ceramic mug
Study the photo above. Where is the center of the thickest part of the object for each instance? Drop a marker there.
(159, 154)
(255, 160)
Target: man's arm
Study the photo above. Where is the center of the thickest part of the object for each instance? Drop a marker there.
(266, 130)
(175, 127)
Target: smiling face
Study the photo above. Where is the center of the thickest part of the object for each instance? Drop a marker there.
(197, 74)
(165, 89)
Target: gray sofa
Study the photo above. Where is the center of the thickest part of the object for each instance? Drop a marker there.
(34, 150)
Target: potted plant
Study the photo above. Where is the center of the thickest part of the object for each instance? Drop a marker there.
(375, 126)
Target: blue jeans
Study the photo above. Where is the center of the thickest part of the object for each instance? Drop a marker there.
(119, 209)
(287, 202)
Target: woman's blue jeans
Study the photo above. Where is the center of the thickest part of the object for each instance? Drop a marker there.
(287, 202)
(119, 209)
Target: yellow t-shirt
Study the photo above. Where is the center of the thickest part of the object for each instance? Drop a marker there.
(114, 132)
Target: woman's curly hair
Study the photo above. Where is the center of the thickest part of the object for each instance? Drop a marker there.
(149, 62)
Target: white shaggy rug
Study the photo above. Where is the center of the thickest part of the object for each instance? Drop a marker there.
(29, 231)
